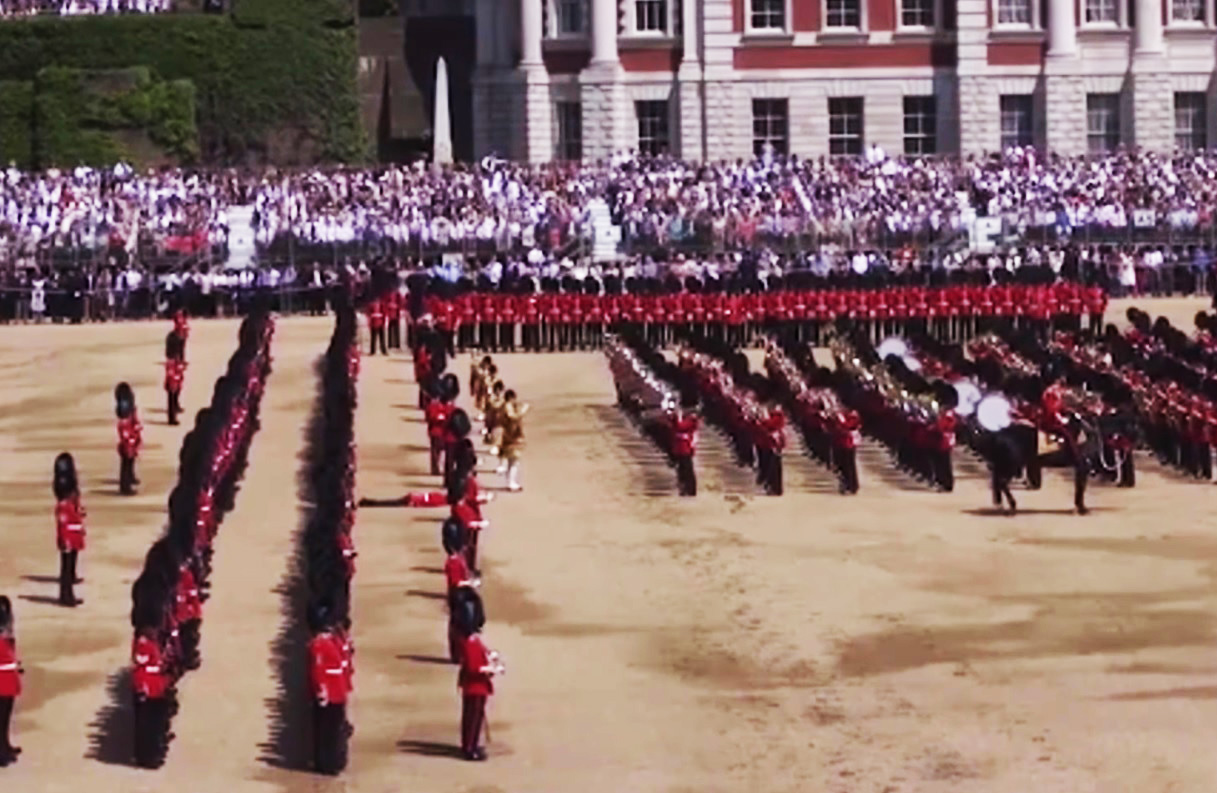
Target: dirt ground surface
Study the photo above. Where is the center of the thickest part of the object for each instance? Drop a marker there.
(894, 641)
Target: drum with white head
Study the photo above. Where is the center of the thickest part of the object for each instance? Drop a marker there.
(994, 412)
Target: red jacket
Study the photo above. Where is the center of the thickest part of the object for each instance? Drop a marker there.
(70, 524)
(187, 605)
(180, 325)
(346, 546)
(376, 315)
(455, 571)
(10, 673)
(472, 680)
(148, 676)
(130, 436)
(328, 669)
(437, 414)
(684, 435)
(175, 373)
(771, 431)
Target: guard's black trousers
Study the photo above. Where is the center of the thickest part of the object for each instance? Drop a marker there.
(686, 477)
(769, 470)
(175, 405)
(151, 731)
(67, 578)
(378, 336)
(473, 716)
(329, 738)
(395, 334)
(6, 720)
(126, 475)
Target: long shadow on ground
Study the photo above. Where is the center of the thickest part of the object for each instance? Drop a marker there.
(112, 731)
(289, 712)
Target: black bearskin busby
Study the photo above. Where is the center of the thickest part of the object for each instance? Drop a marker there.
(63, 481)
(468, 615)
(450, 386)
(6, 613)
(452, 535)
(124, 401)
(459, 423)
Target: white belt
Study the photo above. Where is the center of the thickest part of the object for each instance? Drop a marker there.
(153, 669)
(8, 667)
(334, 671)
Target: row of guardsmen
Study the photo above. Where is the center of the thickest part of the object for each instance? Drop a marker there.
(168, 596)
(329, 549)
(549, 322)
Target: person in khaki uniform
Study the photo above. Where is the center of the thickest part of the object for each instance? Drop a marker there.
(493, 434)
(512, 438)
(479, 382)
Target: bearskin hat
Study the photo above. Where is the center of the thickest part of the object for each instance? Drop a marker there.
(459, 424)
(450, 386)
(319, 616)
(124, 400)
(468, 614)
(63, 478)
(6, 613)
(452, 535)
(175, 346)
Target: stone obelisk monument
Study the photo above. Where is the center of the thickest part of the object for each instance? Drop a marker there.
(441, 137)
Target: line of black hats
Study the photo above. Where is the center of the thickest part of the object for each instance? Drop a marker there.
(203, 480)
(331, 477)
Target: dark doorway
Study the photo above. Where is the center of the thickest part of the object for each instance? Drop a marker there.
(453, 37)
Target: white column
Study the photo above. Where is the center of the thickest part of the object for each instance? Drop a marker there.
(1062, 28)
(531, 22)
(689, 30)
(1149, 27)
(604, 31)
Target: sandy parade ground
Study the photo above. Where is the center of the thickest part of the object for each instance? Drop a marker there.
(898, 640)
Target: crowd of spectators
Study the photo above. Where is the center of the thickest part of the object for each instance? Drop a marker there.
(29, 8)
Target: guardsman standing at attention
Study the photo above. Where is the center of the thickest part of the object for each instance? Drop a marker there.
(175, 374)
(328, 675)
(150, 687)
(130, 437)
(479, 665)
(69, 526)
(376, 326)
(393, 307)
(10, 681)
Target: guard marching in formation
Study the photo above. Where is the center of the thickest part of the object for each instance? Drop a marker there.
(130, 437)
(69, 526)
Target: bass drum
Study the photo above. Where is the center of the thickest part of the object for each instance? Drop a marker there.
(993, 413)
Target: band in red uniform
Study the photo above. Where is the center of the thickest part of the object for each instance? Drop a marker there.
(175, 374)
(684, 424)
(130, 437)
(10, 681)
(69, 526)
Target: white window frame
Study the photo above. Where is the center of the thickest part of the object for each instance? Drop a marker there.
(1121, 20)
(631, 20)
(560, 145)
(825, 28)
(1120, 122)
(788, 27)
(668, 123)
(930, 134)
(551, 26)
(1206, 17)
(1001, 128)
(936, 10)
(1203, 118)
(861, 136)
(786, 141)
(1035, 24)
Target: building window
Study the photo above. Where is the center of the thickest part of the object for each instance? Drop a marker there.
(770, 126)
(843, 14)
(845, 126)
(1187, 10)
(920, 125)
(569, 17)
(1191, 122)
(1017, 120)
(1014, 12)
(768, 14)
(653, 137)
(650, 16)
(570, 131)
(917, 13)
(1103, 122)
(1102, 11)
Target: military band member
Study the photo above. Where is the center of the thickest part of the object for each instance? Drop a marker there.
(69, 526)
(511, 441)
(683, 423)
(769, 428)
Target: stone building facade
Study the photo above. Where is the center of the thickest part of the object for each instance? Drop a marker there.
(713, 79)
